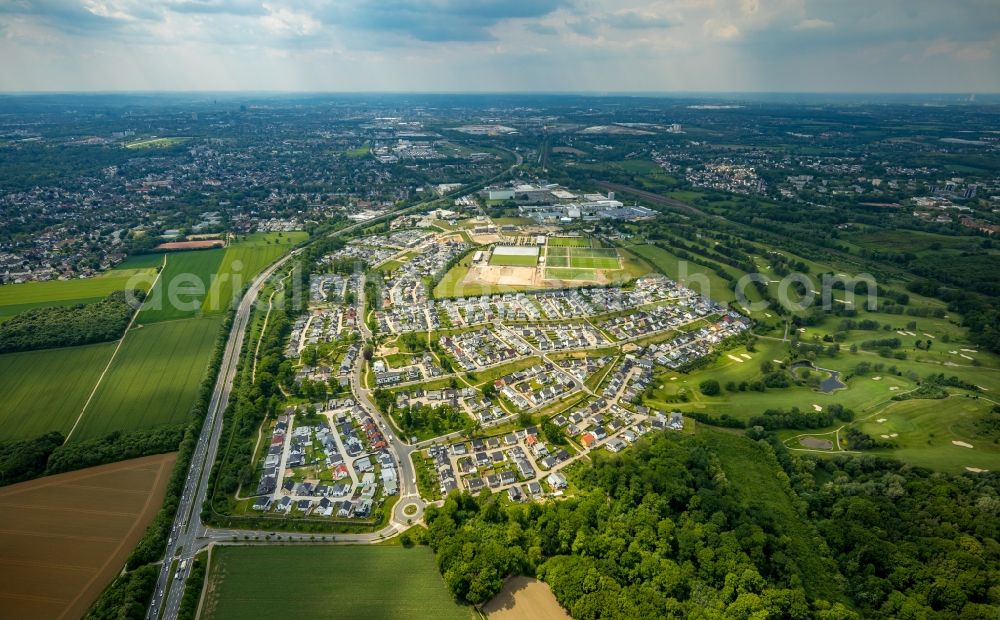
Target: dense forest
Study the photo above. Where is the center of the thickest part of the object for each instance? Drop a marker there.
(710, 527)
(68, 326)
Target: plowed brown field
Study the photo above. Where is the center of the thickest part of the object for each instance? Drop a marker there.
(64, 538)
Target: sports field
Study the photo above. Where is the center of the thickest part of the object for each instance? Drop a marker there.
(363, 582)
(579, 258)
(514, 256)
(45, 390)
(153, 380)
(65, 537)
(569, 242)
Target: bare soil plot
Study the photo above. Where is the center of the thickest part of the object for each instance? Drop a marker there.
(65, 537)
(523, 598)
(504, 276)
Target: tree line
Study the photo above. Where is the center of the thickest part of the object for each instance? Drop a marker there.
(68, 326)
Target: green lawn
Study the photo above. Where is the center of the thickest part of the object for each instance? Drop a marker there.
(154, 379)
(925, 431)
(363, 582)
(45, 390)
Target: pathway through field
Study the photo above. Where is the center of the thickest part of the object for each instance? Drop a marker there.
(114, 354)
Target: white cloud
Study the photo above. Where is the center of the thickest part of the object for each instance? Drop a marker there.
(283, 22)
(813, 24)
(724, 31)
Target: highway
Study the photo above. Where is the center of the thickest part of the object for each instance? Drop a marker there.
(187, 528)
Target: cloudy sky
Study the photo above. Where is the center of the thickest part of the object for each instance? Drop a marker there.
(501, 45)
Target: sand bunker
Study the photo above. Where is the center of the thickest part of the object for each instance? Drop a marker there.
(880, 420)
(734, 358)
(893, 388)
(889, 436)
(962, 444)
(976, 470)
(746, 355)
(776, 361)
(817, 407)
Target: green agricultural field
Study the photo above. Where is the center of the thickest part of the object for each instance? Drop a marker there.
(513, 261)
(242, 261)
(924, 431)
(61, 292)
(365, 582)
(45, 390)
(190, 275)
(16, 298)
(153, 380)
(557, 261)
